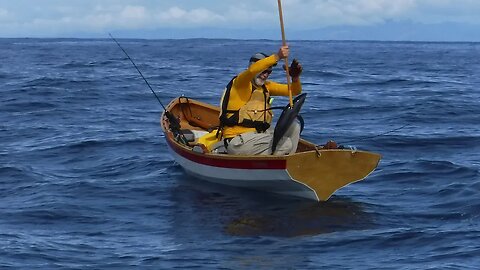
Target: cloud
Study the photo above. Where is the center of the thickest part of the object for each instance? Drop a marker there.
(183, 17)
(58, 17)
(345, 12)
(133, 13)
(104, 18)
(439, 11)
(4, 15)
(254, 16)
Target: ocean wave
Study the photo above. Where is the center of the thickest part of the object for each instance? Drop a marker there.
(74, 64)
(53, 213)
(326, 74)
(442, 169)
(127, 167)
(105, 143)
(106, 158)
(25, 106)
(45, 81)
(405, 142)
(72, 148)
(12, 172)
(342, 107)
(392, 82)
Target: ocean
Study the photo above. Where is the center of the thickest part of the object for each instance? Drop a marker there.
(86, 181)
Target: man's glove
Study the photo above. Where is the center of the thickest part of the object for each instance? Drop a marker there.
(295, 68)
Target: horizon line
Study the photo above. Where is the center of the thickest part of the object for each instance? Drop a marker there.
(247, 39)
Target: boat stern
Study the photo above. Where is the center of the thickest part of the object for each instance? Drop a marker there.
(326, 171)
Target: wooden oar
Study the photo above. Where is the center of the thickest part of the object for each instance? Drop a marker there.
(280, 13)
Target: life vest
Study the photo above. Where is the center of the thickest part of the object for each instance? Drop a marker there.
(255, 113)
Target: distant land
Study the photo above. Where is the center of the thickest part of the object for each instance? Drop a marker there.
(388, 31)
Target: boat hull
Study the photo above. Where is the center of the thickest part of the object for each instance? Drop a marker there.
(265, 175)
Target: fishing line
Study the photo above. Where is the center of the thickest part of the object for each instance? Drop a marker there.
(139, 72)
(379, 135)
(174, 122)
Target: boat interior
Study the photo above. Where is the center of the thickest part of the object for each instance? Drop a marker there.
(197, 119)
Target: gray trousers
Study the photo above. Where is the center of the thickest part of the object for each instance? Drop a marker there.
(254, 143)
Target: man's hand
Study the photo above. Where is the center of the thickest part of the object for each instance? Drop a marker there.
(283, 52)
(295, 69)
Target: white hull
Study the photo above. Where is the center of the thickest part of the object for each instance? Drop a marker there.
(271, 180)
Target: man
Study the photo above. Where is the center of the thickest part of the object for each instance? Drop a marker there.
(246, 116)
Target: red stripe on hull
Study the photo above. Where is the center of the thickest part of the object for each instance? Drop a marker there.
(268, 164)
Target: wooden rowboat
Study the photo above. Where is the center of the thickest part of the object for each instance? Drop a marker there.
(312, 172)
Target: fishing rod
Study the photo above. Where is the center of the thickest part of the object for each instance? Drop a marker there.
(284, 43)
(174, 122)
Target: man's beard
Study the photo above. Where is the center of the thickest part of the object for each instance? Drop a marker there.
(259, 81)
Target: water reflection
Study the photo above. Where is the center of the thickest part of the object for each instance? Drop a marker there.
(298, 219)
(241, 212)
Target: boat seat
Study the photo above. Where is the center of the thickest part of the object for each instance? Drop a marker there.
(192, 135)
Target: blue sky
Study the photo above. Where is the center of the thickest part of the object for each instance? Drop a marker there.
(442, 20)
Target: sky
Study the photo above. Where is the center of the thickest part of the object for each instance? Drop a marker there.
(411, 20)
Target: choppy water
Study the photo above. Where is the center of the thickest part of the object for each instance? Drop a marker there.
(86, 181)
